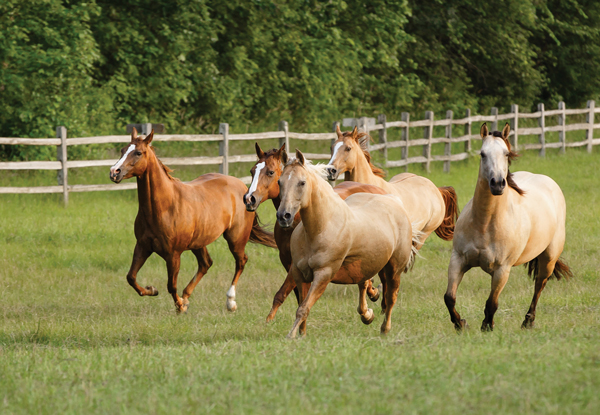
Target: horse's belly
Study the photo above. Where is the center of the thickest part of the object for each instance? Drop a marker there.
(357, 271)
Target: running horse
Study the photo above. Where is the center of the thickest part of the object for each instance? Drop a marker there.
(174, 217)
(362, 235)
(429, 208)
(513, 219)
(264, 186)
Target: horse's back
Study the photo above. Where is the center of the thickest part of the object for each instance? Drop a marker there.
(379, 213)
(346, 189)
(218, 181)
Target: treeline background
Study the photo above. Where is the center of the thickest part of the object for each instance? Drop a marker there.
(94, 66)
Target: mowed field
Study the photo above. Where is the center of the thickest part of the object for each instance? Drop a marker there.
(76, 338)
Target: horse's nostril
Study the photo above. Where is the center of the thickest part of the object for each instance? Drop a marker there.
(287, 215)
(503, 182)
(252, 199)
(333, 171)
(117, 171)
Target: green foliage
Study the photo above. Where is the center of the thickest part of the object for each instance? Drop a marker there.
(97, 65)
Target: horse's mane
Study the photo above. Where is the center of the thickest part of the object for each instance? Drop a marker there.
(319, 169)
(363, 140)
(511, 156)
(165, 168)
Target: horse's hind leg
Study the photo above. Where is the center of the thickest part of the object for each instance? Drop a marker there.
(173, 264)
(237, 246)
(140, 255)
(392, 273)
(366, 314)
(499, 279)
(543, 273)
(456, 271)
(204, 263)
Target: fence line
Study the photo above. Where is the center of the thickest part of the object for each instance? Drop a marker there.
(381, 125)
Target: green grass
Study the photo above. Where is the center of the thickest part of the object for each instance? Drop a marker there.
(75, 338)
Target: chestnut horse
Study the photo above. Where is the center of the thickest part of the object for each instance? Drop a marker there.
(429, 208)
(362, 235)
(265, 175)
(174, 217)
(504, 226)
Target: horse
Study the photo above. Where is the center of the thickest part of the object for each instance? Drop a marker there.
(430, 208)
(174, 217)
(265, 175)
(513, 219)
(362, 235)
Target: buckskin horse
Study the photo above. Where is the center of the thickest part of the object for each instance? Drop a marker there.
(513, 219)
(174, 217)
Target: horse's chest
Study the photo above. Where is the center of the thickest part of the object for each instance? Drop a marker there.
(485, 258)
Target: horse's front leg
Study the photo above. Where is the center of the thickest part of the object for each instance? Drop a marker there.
(366, 314)
(140, 255)
(288, 286)
(499, 279)
(321, 278)
(173, 263)
(456, 271)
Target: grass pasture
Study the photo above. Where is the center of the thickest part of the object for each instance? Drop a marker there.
(75, 338)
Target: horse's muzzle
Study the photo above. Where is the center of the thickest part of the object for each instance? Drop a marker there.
(497, 186)
(285, 219)
(251, 202)
(332, 173)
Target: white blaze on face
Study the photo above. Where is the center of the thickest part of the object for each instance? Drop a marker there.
(254, 183)
(119, 163)
(335, 150)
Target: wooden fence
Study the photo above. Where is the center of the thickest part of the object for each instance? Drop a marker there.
(370, 125)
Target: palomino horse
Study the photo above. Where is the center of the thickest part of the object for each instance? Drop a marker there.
(174, 217)
(265, 175)
(429, 208)
(363, 235)
(506, 226)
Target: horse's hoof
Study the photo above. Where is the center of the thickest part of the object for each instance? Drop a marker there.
(231, 305)
(486, 327)
(462, 326)
(153, 291)
(368, 317)
(270, 318)
(527, 324)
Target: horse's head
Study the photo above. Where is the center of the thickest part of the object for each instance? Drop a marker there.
(294, 188)
(134, 160)
(265, 174)
(345, 152)
(496, 156)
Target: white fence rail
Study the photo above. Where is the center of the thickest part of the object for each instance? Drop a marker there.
(382, 126)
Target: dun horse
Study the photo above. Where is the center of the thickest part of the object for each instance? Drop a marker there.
(513, 219)
(362, 235)
(265, 175)
(174, 217)
(429, 208)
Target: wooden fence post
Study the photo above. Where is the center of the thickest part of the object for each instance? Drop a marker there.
(542, 124)
(224, 148)
(468, 146)
(61, 155)
(514, 108)
(283, 126)
(494, 112)
(448, 145)
(405, 116)
(562, 121)
(591, 104)
(363, 124)
(146, 128)
(428, 134)
(381, 119)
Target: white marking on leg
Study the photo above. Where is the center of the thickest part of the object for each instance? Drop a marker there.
(119, 163)
(335, 150)
(231, 304)
(254, 183)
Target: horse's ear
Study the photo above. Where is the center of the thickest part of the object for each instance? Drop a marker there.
(280, 151)
(284, 157)
(506, 131)
(484, 131)
(364, 142)
(134, 134)
(259, 151)
(354, 132)
(149, 137)
(300, 157)
(338, 131)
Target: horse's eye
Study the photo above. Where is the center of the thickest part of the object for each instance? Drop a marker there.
(301, 183)
(348, 149)
(271, 173)
(138, 153)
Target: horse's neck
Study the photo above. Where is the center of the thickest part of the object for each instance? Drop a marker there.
(362, 173)
(488, 208)
(155, 190)
(324, 204)
(276, 202)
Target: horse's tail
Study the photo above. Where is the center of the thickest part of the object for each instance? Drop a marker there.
(561, 269)
(260, 235)
(414, 251)
(446, 229)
